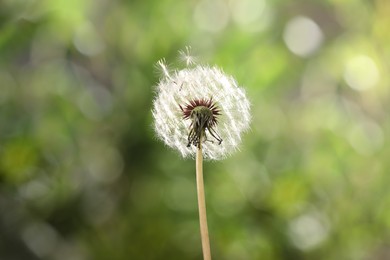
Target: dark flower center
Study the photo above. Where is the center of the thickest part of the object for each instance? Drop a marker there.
(203, 115)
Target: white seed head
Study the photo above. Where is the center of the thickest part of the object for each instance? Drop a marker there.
(201, 83)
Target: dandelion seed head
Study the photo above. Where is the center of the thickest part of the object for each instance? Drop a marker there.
(178, 95)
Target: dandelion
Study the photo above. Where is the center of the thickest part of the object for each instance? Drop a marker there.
(182, 93)
(201, 112)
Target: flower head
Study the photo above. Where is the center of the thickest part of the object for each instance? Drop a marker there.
(201, 105)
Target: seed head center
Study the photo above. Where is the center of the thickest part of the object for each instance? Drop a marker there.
(202, 118)
(203, 115)
(201, 112)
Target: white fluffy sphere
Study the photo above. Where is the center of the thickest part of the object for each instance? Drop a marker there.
(177, 89)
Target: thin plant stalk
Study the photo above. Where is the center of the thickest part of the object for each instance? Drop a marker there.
(204, 232)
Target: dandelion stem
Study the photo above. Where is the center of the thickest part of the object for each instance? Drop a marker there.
(204, 232)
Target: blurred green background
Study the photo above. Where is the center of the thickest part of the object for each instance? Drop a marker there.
(82, 175)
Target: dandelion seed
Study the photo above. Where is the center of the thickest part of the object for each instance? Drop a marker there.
(200, 105)
(187, 57)
(163, 67)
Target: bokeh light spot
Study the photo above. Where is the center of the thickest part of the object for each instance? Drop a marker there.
(308, 231)
(302, 36)
(41, 238)
(212, 16)
(361, 73)
(250, 15)
(87, 40)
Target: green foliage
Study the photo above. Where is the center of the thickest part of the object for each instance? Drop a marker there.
(82, 175)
